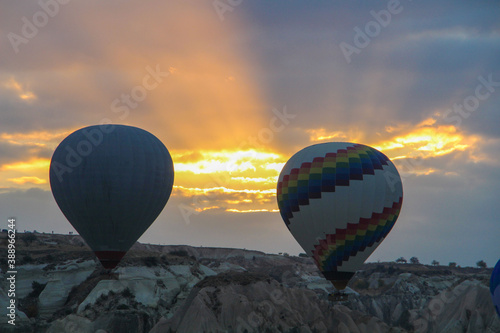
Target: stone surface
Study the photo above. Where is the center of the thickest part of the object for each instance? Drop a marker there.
(187, 289)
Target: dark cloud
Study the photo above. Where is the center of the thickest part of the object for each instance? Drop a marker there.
(10, 153)
(426, 60)
(450, 218)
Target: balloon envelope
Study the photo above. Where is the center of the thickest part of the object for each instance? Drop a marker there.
(495, 287)
(111, 182)
(339, 200)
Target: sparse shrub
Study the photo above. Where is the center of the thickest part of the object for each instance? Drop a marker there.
(381, 283)
(414, 260)
(179, 253)
(122, 307)
(28, 238)
(37, 289)
(401, 260)
(481, 264)
(102, 299)
(151, 261)
(127, 293)
(164, 260)
(435, 263)
(303, 255)
(452, 264)
(392, 270)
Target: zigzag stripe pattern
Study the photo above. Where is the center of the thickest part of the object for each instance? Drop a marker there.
(323, 174)
(337, 248)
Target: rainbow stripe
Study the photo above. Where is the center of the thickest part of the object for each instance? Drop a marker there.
(330, 252)
(325, 173)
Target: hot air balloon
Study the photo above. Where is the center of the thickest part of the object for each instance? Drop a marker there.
(339, 200)
(111, 182)
(495, 287)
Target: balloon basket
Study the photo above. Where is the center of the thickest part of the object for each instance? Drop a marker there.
(338, 296)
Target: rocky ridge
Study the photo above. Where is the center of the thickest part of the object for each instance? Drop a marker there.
(61, 288)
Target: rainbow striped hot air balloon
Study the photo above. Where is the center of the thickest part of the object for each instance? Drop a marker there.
(339, 200)
(495, 287)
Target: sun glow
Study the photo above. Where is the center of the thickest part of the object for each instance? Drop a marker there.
(36, 163)
(223, 161)
(27, 179)
(37, 138)
(244, 181)
(267, 180)
(427, 141)
(230, 181)
(21, 91)
(233, 210)
(321, 134)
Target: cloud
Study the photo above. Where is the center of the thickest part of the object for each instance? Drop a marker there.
(208, 88)
(25, 157)
(22, 92)
(11, 151)
(450, 217)
(88, 61)
(24, 180)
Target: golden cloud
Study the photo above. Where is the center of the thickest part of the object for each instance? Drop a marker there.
(27, 179)
(323, 135)
(408, 145)
(20, 89)
(25, 173)
(228, 199)
(426, 140)
(234, 210)
(35, 163)
(36, 138)
(225, 161)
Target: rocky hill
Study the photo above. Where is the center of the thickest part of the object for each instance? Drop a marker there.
(61, 288)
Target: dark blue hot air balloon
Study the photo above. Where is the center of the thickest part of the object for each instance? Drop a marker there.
(111, 182)
(495, 287)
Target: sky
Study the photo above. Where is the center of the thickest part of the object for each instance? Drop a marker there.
(234, 88)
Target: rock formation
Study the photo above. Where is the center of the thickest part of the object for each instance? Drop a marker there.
(60, 288)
